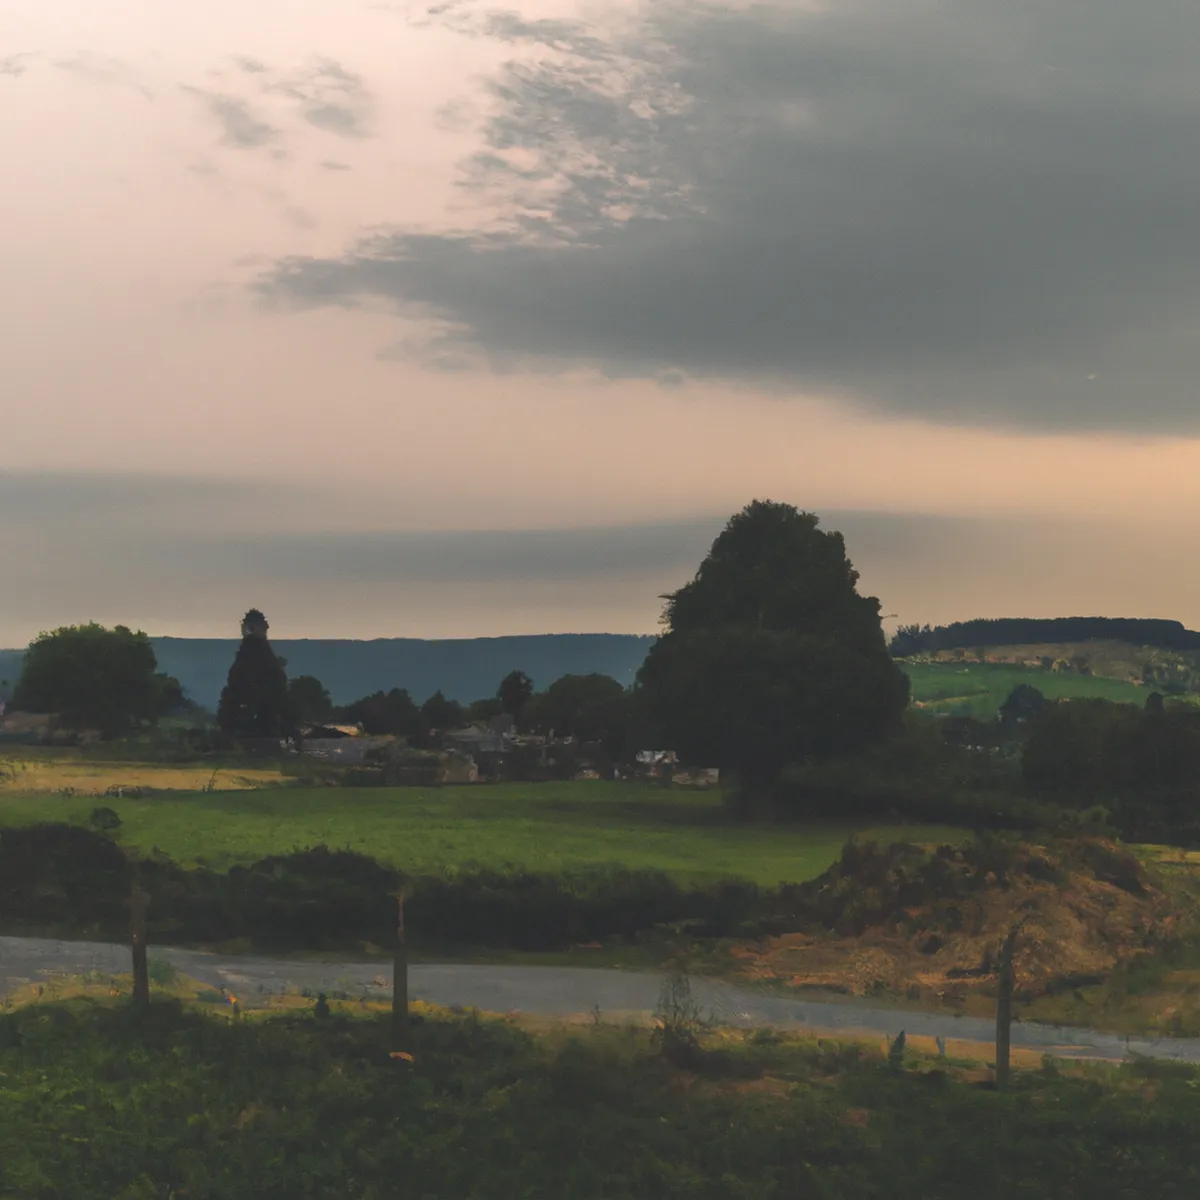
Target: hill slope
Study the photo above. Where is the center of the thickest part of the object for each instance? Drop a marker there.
(464, 669)
(978, 689)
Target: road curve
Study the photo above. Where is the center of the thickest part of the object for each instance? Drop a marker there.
(556, 991)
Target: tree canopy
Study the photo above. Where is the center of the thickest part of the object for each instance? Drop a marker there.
(1024, 703)
(773, 569)
(254, 702)
(770, 656)
(514, 693)
(94, 678)
(589, 708)
(439, 713)
(308, 700)
(393, 712)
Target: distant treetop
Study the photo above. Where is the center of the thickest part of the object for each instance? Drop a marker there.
(254, 624)
(1020, 631)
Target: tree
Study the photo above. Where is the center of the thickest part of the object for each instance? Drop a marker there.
(589, 708)
(308, 701)
(515, 692)
(439, 713)
(393, 712)
(93, 678)
(1024, 703)
(254, 701)
(770, 656)
(483, 711)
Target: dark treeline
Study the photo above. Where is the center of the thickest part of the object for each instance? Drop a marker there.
(1020, 631)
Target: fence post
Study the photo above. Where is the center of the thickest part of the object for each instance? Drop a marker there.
(400, 973)
(1004, 1001)
(138, 901)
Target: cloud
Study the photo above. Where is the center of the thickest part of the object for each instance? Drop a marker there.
(103, 69)
(330, 97)
(188, 556)
(526, 556)
(964, 210)
(329, 164)
(14, 64)
(36, 500)
(240, 126)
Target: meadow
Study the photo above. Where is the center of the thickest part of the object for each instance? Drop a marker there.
(979, 689)
(545, 827)
(70, 772)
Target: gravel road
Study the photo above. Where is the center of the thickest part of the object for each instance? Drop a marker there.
(554, 991)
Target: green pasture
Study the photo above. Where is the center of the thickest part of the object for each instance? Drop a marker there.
(544, 827)
(978, 689)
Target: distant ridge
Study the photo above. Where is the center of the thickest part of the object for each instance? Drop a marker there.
(1022, 631)
(463, 669)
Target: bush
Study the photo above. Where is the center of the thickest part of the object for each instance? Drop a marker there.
(104, 820)
(65, 879)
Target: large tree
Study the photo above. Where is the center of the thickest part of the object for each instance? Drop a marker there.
(514, 693)
(589, 708)
(393, 712)
(441, 714)
(308, 700)
(94, 678)
(254, 702)
(770, 656)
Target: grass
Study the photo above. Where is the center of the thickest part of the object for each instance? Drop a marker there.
(534, 826)
(96, 1100)
(45, 772)
(978, 689)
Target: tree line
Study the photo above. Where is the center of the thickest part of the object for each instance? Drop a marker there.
(1020, 631)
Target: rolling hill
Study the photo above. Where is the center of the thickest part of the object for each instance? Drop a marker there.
(463, 668)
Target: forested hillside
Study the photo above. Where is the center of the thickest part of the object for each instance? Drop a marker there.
(1015, 631)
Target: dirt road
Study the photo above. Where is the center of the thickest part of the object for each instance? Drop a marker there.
(554, 992)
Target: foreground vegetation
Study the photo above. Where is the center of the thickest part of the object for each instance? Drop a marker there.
(545, 827)
(94, 1102)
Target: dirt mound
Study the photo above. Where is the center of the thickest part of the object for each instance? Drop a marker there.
(913, 920)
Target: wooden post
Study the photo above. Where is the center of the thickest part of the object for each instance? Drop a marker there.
(1004, 1003)
(400, 974)
(138, 901)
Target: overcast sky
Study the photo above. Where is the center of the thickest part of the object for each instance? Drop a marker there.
(451, 320)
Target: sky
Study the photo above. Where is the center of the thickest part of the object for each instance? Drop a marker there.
(443, 321)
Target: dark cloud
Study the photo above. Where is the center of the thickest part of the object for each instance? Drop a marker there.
(330, 165)
(36, 499)
(543, 556)
(252, 66)
(240, 126)
(334, 118)
(330, 97)
(973, 210)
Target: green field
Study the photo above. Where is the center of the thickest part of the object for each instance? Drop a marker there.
(540, 826)
(978, 689)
